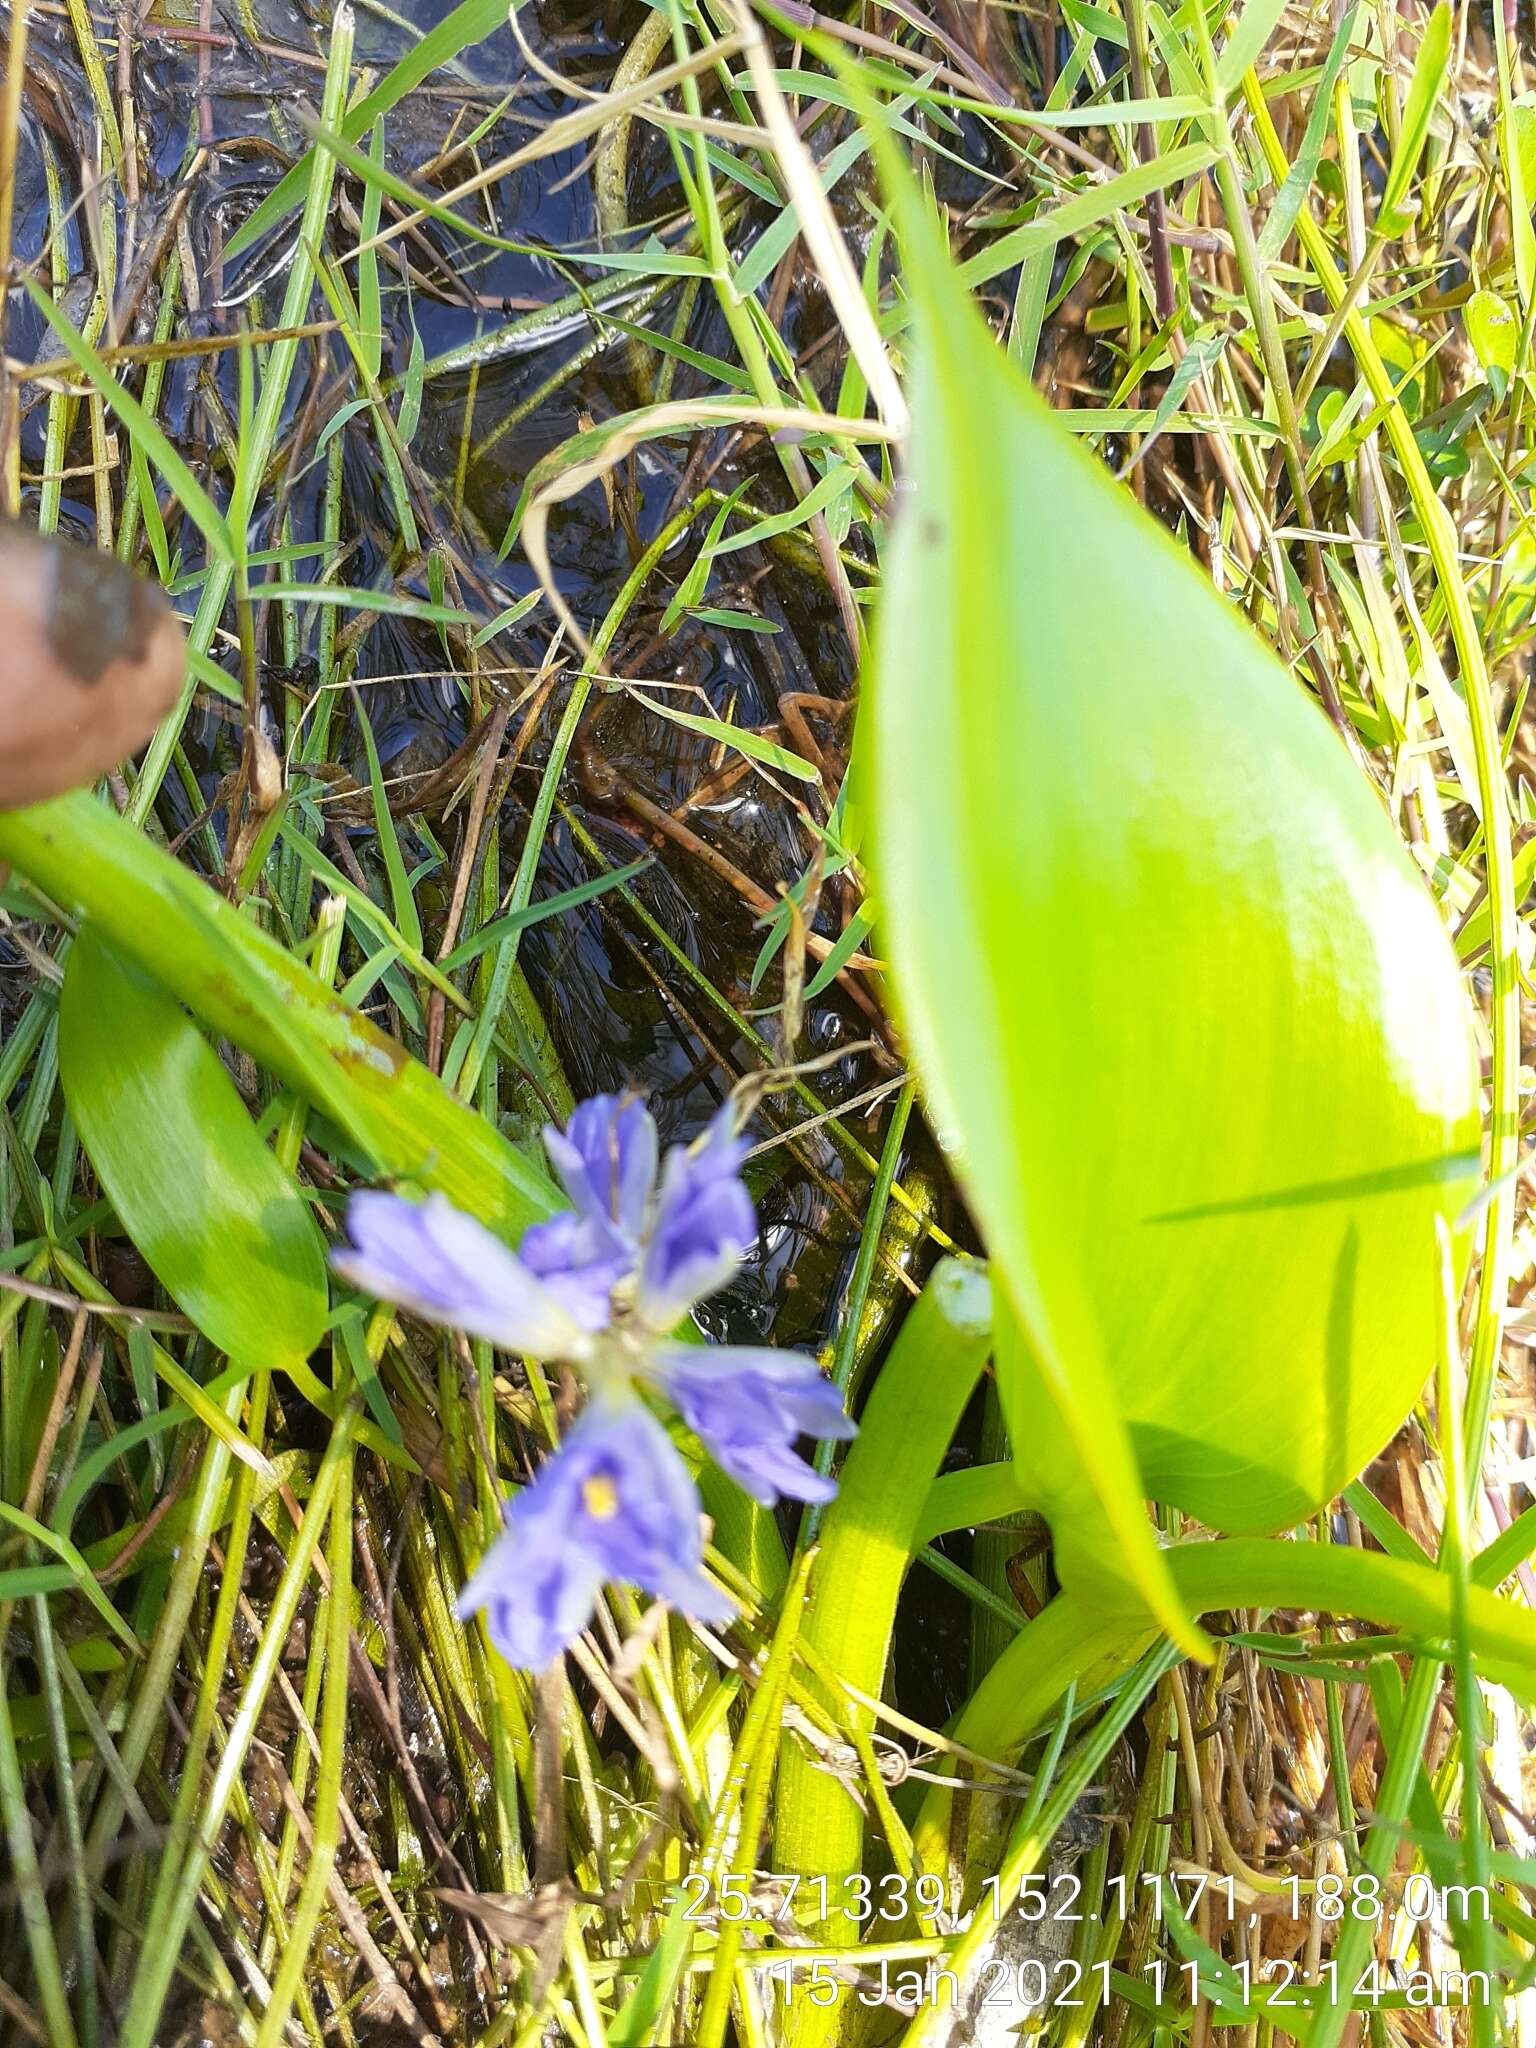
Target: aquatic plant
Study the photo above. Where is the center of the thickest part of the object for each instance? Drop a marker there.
(601, 1287)
(408, 1629)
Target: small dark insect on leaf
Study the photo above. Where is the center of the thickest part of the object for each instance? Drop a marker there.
(91, 659)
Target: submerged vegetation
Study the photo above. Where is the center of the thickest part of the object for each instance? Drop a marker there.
(1060, 860)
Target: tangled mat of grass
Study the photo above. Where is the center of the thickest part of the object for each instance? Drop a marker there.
(297, 305)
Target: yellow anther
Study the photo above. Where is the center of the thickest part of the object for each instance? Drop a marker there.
(601, 1498)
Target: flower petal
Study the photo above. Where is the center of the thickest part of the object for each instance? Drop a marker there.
(655, 1540)
(747, 1406)
(537, 1598)
(704, 1226)
(575, 1261)
(615, 1502)
(606, 1160)
(433, 1259)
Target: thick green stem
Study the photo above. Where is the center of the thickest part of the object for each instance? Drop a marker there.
(868, 1539)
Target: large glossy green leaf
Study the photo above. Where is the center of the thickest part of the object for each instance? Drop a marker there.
(1184, 1011)
(221, 1224)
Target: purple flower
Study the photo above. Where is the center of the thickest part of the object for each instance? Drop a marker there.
(615, 1502)
(576, 1263)
(432, 1258)
(606, 1159)
(747, 1406)
(686, 1237)
(703, 1227)
(602, 1287)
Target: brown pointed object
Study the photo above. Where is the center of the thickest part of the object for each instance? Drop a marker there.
(91, 659)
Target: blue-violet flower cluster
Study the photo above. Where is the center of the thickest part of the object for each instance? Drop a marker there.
(602, 1287)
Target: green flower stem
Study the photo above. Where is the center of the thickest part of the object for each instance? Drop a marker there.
(868, 1539)
(980, 1493)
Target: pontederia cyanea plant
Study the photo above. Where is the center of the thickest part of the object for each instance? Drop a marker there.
(1183, 1005)
(1181, 1013)
(1186, 1019)
(601, 1288)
